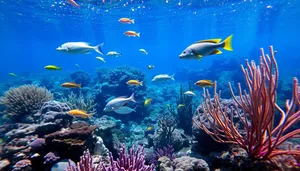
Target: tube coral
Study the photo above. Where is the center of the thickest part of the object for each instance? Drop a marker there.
(258, 107)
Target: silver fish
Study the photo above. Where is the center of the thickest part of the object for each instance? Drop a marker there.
(163, 77)
(79, 48)
(118, 102)
(114, 53)
(189, 93)
(125, 110)
(205, 48)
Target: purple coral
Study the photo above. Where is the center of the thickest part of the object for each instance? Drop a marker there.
(22, 165)
(134, 161)
(167, 151)
(51, 158)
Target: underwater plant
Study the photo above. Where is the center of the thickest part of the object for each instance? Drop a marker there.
(87, 104)
(183, 115)
(167, 125)
(258, 107)
(134, 161)
(167, 151)
(24, 100)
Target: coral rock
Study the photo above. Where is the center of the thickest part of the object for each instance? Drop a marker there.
(165, 164)
(186, 163)
(22, 165)
(4, 163)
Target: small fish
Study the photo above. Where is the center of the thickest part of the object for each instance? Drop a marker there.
(114, 54)
(147, 102)
(73, 3)
(21, 155)
(12, 74)
(163, 77)
(132, 34)
(118, 102)
(52, 67)
(189, 93)
(126, 21)
(71, 85)
(134, 82)
(150, 66)
(205, 83)
(180, 106)
(76, 65)
(100, 59)
(78, 113)
(35, 155)
(206, 47)
(143, 51)
(79, 48)
(149, 128)
(125, 110)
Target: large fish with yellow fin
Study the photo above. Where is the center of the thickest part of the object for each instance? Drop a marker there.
(203, 48)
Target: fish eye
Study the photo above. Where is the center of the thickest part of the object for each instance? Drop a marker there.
(184, 52)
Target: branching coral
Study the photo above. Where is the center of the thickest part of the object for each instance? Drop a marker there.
(258, 106)
(24, 100)
(167, 151)
(134, 161)
(167, 126)
(79, 102)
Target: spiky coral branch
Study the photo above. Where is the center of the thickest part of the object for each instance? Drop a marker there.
(258, 107)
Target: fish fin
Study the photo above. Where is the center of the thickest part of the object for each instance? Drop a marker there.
(172, 77)
(120, 54)
(228, 44)
(138, 34)
(79, 85)
(217, 51)
(132, 21)
(134, 109)
(59, 68)
(132, 98)
(209, 41)
(141, 84)
(98, 48)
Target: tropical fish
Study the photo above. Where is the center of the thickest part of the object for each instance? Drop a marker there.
(52, 67)
(147, 102)
(132, 34)
(73, 3)
(79, 48)
(114, 53)
(143, 51)
(118, 102)
(205, 83)
(35, 155)
(134, 82)
(126, 20)
(78, 113)
(149, 128)
(150, 66)
(189, 93)
(76, 65)
(124, 110)
(12, 74)
(71, 85)
(206, 47)
(180, 106)
(163, 77)
(100, 59)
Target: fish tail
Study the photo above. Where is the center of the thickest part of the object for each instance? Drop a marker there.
(120, 54)
(132, 98)
(138, 34)
(132, 21)
(79, 85)
(98, 48)
(59, 68)
(141, 84)
(228, 43)
(172, 77)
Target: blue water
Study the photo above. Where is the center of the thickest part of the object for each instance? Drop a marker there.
(31, 31)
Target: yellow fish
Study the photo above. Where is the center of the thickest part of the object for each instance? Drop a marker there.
(79, 113)
(12, 74)
(149, 128)
(147, 102)
(71, 85)
(52, 67)
(180, 106)
(205, 83)
(134, 82)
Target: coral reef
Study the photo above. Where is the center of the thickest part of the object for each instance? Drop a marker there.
(182, 163)
(80, 77)
(21, 103)
(262, 138)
